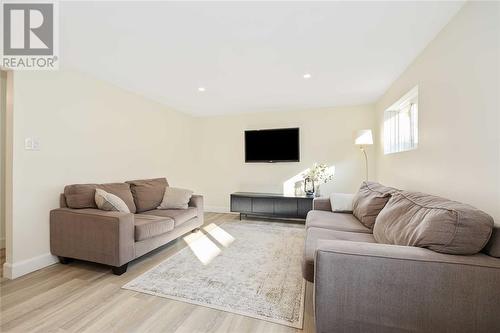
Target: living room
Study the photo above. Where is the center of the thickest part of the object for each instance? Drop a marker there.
(250, 166)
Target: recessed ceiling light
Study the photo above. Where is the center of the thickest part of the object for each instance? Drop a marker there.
(201, 89)
(307, 76)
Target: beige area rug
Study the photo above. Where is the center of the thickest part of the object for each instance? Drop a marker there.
(247, 268)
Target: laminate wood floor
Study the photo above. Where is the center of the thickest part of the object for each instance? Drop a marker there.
(2, 261)
(87, 297)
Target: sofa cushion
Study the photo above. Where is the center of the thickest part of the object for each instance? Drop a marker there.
(315, 234)
(335, 221)
(147, 226)
(147, 193)
(493, 246)
(178, 215)
(83, 195)
(441, 225)
(369, 201)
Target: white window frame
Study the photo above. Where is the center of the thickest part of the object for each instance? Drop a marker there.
(401, 124)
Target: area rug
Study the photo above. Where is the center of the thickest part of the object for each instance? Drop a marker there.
(251, 269)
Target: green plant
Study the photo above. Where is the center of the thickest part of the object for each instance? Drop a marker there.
(320, 173)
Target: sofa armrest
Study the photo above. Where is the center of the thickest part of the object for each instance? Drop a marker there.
(378, 287)
(197, 201)
(322, 203)
(106, 237)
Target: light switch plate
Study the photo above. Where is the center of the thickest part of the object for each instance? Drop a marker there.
(28, 143)
(35, 144)
(31, 143)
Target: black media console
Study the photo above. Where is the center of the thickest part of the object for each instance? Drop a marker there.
(271, 205)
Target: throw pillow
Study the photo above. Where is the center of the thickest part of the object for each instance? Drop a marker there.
(341, 202)
(369, 201)
(175, 198)
(108, 201)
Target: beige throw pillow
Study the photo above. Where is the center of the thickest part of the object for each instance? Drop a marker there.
(108, 201)
(175, 198)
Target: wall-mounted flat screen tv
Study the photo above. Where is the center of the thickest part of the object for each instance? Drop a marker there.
(272, 145)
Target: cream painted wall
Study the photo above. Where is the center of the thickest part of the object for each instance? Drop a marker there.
(3, 110)
(89, 132)
(459, 113)
(326, 135)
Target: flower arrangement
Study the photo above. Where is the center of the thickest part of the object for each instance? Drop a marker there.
(319, 173)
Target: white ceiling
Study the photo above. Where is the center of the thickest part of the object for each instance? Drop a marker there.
(250, 56)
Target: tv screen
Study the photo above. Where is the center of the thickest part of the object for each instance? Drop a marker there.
(272, 145)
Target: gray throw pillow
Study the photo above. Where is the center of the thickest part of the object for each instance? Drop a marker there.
(175, 198)
(108, 201)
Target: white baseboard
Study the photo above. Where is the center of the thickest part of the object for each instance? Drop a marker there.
(217, 209)
(15, 270)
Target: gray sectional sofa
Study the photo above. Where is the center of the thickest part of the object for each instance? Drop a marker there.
(78, 230)
(403, 261)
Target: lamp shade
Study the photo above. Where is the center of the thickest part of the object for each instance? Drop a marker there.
(364, 137)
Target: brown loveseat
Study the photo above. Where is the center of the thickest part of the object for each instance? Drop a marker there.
(417, 263)
(78, 230)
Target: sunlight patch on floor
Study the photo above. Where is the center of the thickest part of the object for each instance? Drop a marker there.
(203, 248)
(219, 234)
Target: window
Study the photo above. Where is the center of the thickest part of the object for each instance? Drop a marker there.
(401, 124)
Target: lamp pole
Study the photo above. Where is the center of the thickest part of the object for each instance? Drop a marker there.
(364, 137)
(366, 162)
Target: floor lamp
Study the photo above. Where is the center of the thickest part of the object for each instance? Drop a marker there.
(364, 138)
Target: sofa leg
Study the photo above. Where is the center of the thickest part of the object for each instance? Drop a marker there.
(65, 260)
(195, 230)
(120, 270)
